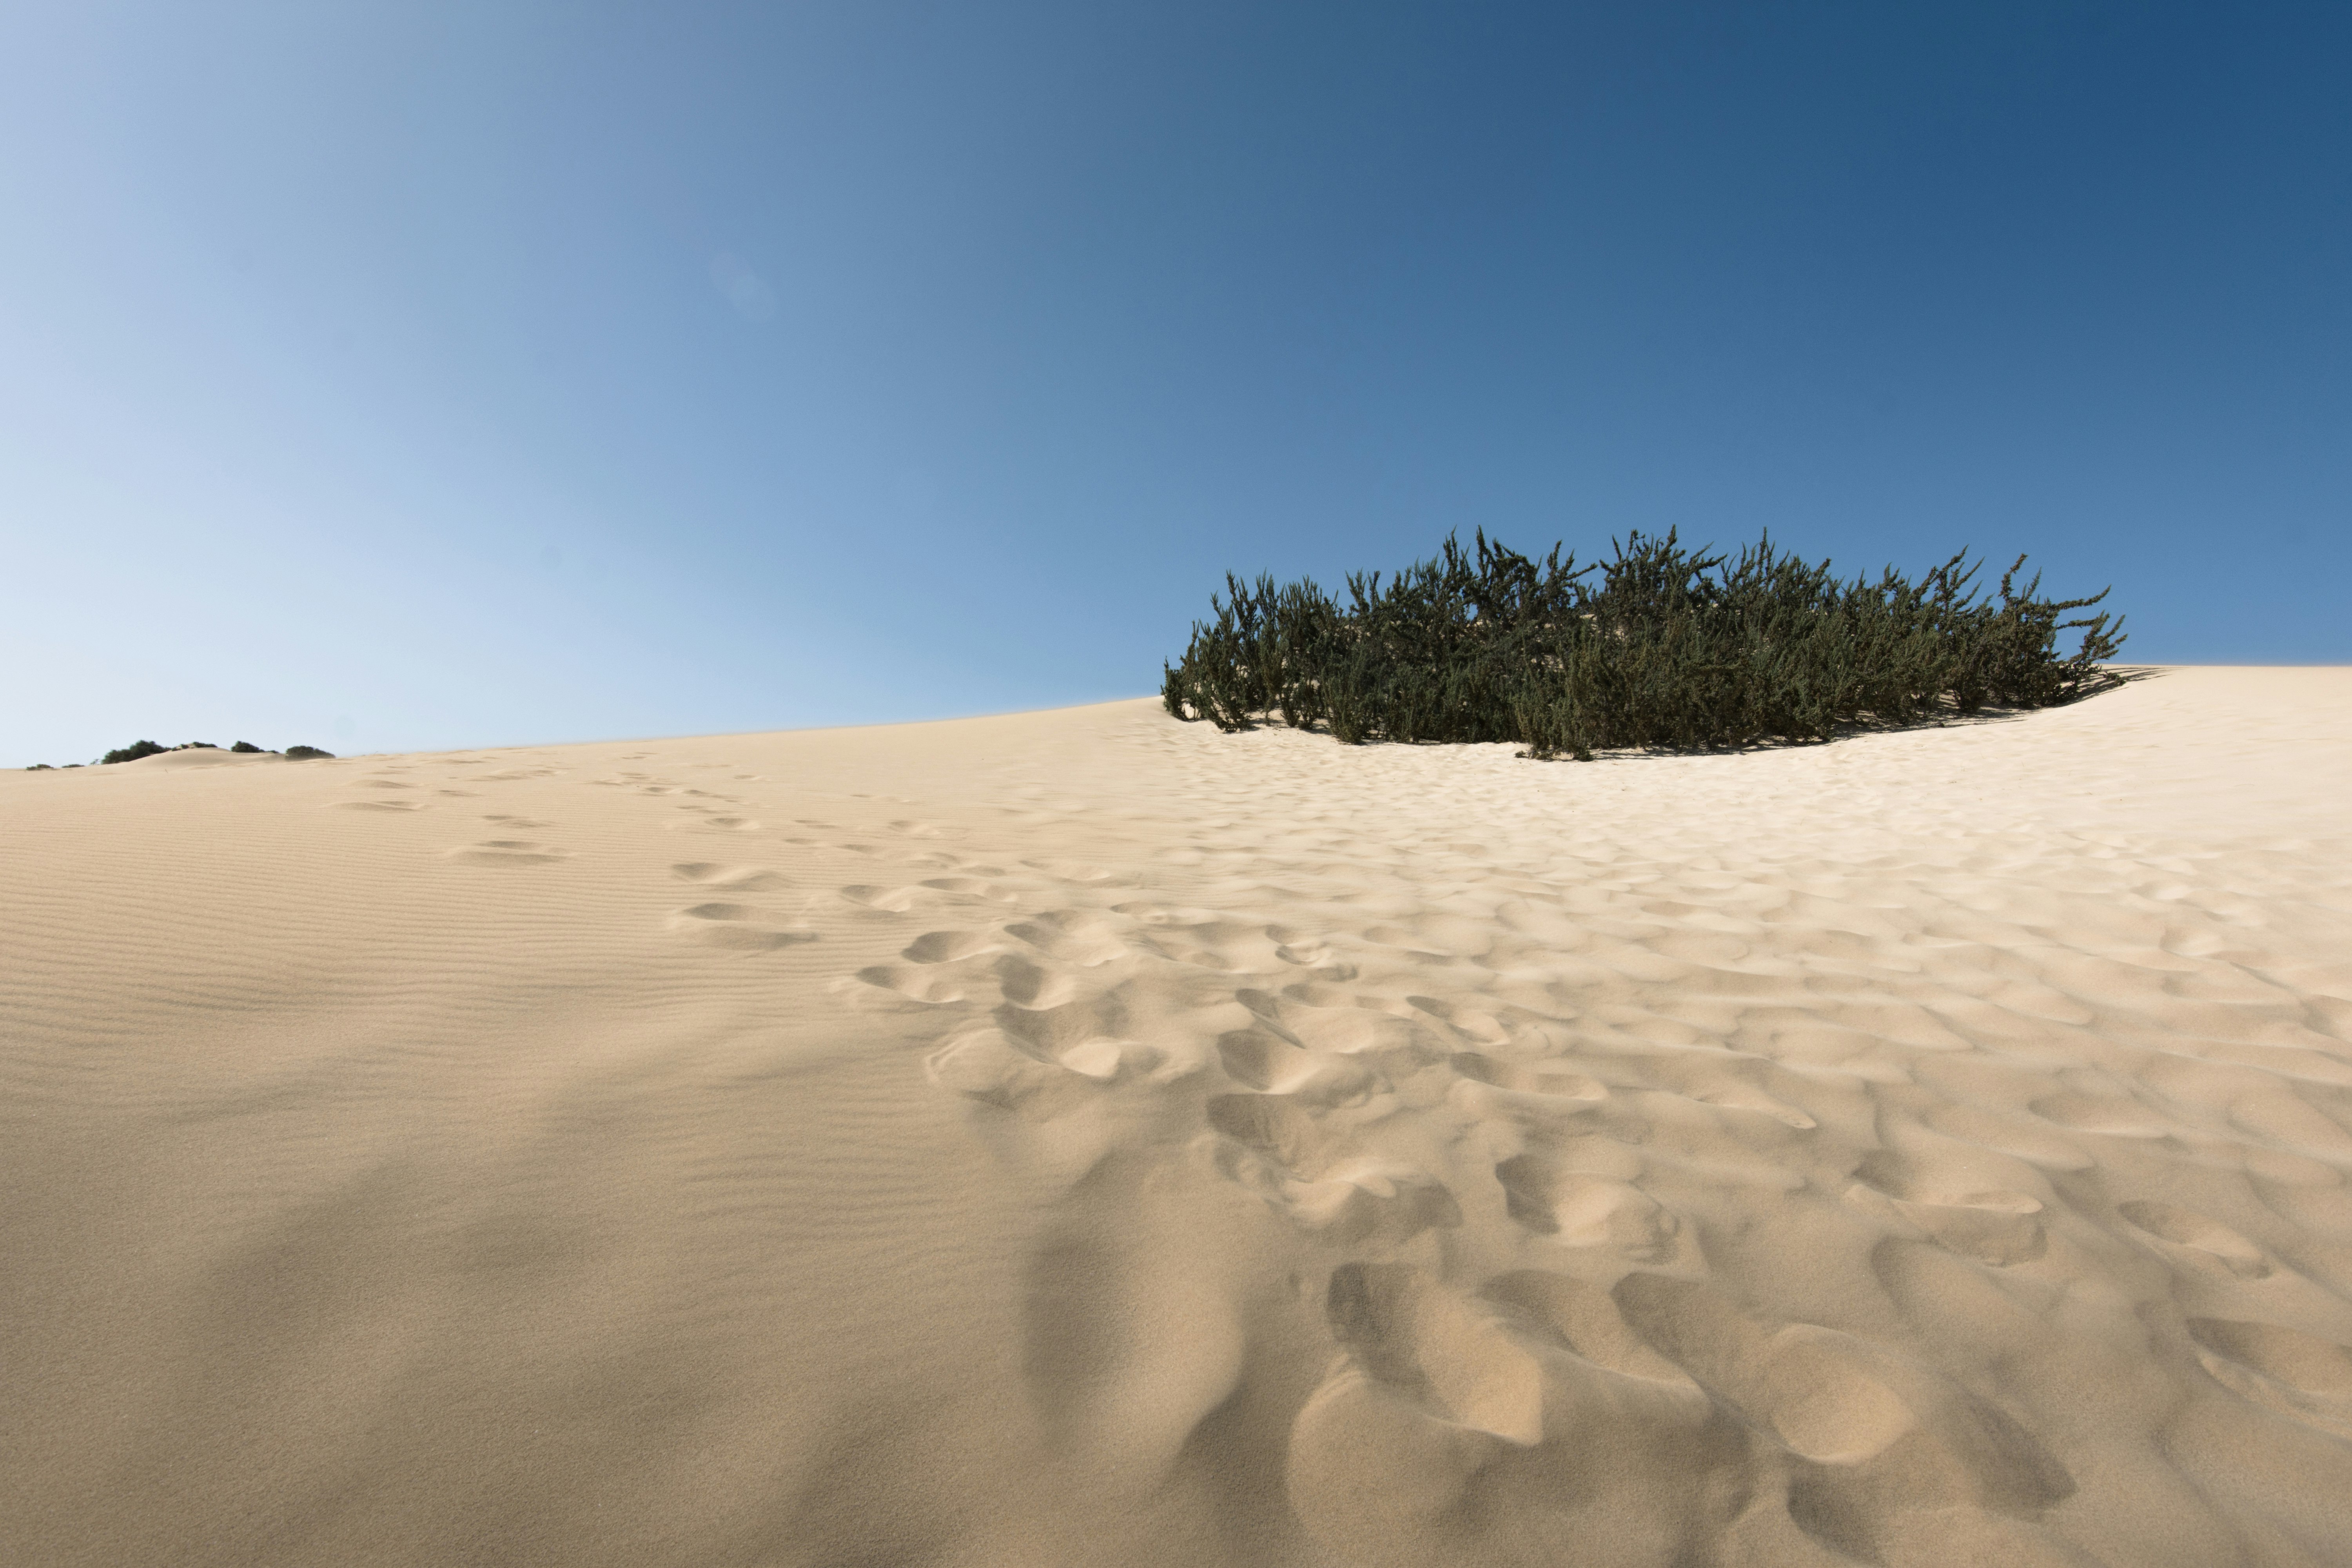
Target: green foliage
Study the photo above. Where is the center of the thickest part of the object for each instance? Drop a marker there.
(133, 752)
(299, 753)
(1671, 648)
(246, 746)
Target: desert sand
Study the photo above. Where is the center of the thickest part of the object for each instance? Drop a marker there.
(1081, 1138)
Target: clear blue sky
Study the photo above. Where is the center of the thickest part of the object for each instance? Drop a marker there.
(401, 375)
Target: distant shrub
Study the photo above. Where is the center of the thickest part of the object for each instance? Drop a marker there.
(245, 747)
(1673, 649)
(39, 768)
(133, 752)
(300, 754)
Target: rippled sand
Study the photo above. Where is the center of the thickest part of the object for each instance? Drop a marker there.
(1080, 1138)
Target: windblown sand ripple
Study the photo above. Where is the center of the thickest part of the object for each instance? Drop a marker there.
(1079, 1138)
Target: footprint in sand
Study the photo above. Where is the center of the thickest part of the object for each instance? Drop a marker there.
(2288, 1120)
(1880, 1434)
(509, 852)
(950, 946)
(746, 927)
(2027, 1138)
(1436, 1348)
(1031, 986)
(1206, 941)
(1083, 1033)
(1580, 1210)
(1473, 1024)
(991, 1067)
(1954, 1204)
(698, 818)
(1429, 1389)
(1041, 1073)
(1327, 1022)
(967, 961)
(1550, 1079)
(1294, 946)
(1742, 1097)
(1270, 1063)
(1585, 1319)
(2203, 1243)
(376, 805)
(1318, 1179)
(1449, 1420)
(729, 878)
(1071, 871)
(903, 987)
(2120, 1116)
(970, 888)
(883, 900)
(2296, 1375)
(1264, 1060)
(1070, 938)
(1308, 993)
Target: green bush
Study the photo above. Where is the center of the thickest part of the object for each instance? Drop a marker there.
(300, 754)
(133, 752)
(246, 747)
(1672, 648)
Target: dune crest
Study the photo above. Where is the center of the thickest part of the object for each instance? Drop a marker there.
(1082, 1138)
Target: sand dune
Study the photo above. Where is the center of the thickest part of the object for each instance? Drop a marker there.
(1079, 1138)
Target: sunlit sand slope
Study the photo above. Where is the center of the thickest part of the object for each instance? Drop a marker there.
(1084, 1138)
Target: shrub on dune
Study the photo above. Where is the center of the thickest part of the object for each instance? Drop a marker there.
(1671, 648)
(133, 752)
(303, 753)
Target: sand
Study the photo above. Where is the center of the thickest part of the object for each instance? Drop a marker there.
(1080, 1138)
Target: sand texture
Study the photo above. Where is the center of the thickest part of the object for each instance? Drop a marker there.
(1080, 1138)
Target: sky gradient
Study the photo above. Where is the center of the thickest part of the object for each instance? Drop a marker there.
(408, 377)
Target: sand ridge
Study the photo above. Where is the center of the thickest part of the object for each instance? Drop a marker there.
(1084, 1138)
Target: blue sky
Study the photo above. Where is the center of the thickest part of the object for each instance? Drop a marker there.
(388, 376)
